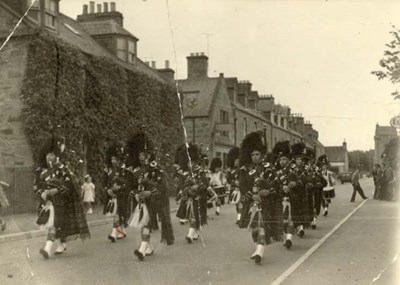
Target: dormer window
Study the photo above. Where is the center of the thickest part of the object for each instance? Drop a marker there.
(50, 13)
(131, 51)
(44, 11)
(121, 48)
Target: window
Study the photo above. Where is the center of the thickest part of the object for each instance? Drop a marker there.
(224, 117)
(131, 51)
(225, 134)
(276, 119)
(282, 122)
(50, 8)
(121, 48)
(50, 5)
(224, 157)
(255, 126)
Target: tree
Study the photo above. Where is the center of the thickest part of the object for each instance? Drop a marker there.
(390, 63)
(360, 159)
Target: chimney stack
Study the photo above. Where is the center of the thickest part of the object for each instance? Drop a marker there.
(91, 7)
(153, 64)
(98, 8)
(167, 64)
(197, 65)
(113, 8)
(85, 9)
(105, 4)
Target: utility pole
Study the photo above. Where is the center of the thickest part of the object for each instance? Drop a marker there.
(208, 35)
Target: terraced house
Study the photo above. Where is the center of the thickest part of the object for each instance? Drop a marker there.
(220, 111)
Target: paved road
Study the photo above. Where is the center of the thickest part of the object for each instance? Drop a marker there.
(223, 260)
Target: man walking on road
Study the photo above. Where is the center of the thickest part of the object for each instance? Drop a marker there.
(356, 186)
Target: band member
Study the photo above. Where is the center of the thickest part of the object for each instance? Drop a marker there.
(193, 205)
(61, 210)
(330, 181)
(147, 184)
(255, 192)
(217, 182)
(232, 179)
(287, 183)
(301, 213)
(114, 183)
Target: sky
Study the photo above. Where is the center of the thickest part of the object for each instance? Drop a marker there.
(314, 56)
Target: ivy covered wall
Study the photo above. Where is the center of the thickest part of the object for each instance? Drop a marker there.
(94, 101)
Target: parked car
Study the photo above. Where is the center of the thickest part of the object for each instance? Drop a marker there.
(344, 177)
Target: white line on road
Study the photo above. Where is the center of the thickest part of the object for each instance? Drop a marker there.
(301, 260)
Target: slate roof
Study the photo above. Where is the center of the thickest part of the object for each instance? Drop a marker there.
(198, 95)
(87, 44)
(105, 27)
(335, 153)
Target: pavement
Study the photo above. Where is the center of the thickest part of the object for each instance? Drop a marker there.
(358, 252)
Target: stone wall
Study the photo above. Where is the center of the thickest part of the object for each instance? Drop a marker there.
(14, 147)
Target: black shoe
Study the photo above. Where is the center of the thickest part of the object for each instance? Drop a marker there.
(111, 238)
(44, 253)
(188, 239)
(300, 233)
(139, 255)
(366, 198)
(257, 259)
(60, 252)
(326, 213)
(3, 226)
(288, 243)
(313, 227)
(182, 222)
(217, 213)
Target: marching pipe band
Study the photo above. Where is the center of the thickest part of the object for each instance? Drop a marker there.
(275, 194)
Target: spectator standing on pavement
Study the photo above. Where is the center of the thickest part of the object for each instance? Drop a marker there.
(3, 202)
(376, 173)
(88, 194)
(356, 186)
(387, 181)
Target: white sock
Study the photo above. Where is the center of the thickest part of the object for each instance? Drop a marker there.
(191, 232)
(48, 246)
(149, 249)
(239, 216)
(314, 220)
(143, 247)
(289, 236)
(61, 246)
(114, 233)
(218, 208)
(260, 250)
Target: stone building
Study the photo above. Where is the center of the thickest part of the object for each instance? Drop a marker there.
(220, 112)
(98, 31)
(383, 134)
(338, 157)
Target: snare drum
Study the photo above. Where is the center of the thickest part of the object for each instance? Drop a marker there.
(328, 192)
(220, 190)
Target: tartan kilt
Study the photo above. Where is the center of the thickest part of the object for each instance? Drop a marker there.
(71, 216)
(276, 222)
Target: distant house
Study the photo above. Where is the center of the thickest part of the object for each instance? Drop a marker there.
(208, 114)
(383, 134)
(338, 157)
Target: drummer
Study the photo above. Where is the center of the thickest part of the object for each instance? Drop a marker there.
(218, 183)
(328, 191)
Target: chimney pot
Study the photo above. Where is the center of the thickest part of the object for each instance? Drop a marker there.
(91, 7)
(167, 64)
(98, 8)
(105, 4)
(112, 6)
(153, 64)
(85, 9)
